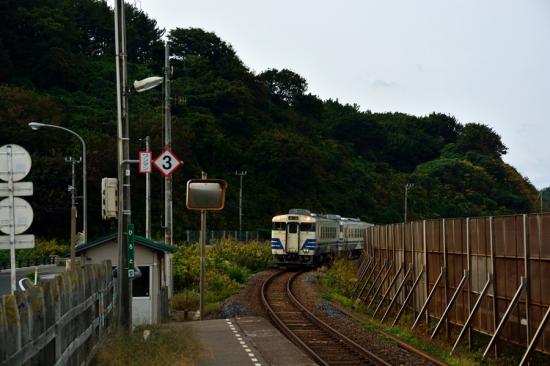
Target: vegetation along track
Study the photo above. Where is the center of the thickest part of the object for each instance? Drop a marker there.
(322, 342)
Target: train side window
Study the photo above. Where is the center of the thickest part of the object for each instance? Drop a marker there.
(292, 227)
(304, 226)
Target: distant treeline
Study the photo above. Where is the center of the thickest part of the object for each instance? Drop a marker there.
(57, 66)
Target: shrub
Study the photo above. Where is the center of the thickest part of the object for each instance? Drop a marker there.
(228, 266)
(341, 277)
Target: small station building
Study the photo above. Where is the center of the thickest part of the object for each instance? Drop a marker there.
(150, 292)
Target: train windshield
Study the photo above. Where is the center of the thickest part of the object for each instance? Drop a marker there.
(292, 228)
(304, 226)
(281, 226)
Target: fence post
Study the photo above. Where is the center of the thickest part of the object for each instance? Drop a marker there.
(12, 330)
(425, 259)
(493, 269)
(407, 298)
(469, 269)
(527, 277)
(472, 313)
(453, 298)
(536, 336)
(445, 266)
(505, 316)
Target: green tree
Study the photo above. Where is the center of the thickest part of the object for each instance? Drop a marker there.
(285, 85)
(480, 138)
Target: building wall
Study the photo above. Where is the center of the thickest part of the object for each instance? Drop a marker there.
(144, 256)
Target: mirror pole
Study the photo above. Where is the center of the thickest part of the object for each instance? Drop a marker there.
(203, 249)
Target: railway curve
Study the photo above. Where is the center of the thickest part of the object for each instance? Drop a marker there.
(319, 340)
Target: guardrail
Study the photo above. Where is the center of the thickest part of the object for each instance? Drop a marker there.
(29, 262)
(60, 321)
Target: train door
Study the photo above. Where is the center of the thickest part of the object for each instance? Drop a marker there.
(292, 237)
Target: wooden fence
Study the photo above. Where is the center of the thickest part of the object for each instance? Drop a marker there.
(59, 322)
(488, 274)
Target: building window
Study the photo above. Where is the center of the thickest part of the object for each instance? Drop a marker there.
(140, 286)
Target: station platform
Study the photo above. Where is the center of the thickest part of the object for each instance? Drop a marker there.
(245, 341)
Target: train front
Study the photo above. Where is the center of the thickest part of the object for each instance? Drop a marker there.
(293, 239)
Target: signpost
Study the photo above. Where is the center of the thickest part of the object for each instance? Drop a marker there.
(205, 195)
(23, 215)
(167, 162)
(145, 158)
(16, 214)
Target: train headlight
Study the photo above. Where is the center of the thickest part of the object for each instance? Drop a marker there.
(306, 251)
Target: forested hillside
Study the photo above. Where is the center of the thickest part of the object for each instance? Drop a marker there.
(57, 66)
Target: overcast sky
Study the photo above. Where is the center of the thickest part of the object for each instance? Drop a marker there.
(481, 61)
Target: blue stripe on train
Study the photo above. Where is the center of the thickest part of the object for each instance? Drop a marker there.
(276, 243)
(309, 244)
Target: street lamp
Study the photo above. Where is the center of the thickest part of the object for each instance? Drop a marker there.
(141, 86)
(150, 83)
(35, 126)
(147, 83)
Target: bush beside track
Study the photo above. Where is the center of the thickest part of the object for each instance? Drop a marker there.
(228, 265)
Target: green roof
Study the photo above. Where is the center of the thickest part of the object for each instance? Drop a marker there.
(138, 239)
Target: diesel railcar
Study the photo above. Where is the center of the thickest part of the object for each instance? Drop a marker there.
(304, 238)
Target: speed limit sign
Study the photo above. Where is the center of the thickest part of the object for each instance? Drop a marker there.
(167, 162)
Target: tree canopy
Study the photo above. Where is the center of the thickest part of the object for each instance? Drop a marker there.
(57, 66)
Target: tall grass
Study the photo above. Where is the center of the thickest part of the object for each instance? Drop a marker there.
(165, 346)
(228, 265)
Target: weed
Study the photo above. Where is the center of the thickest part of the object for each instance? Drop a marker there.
(165, 346)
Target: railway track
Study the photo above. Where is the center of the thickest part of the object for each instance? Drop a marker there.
(323, 343)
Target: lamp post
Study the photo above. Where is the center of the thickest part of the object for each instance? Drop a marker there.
(141, 86)
(168, 222)
(35, 126)
(72, 189)
(123, 145)
(146, 84)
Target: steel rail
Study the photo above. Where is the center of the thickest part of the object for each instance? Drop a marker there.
(321, 324)
(397, 340)
(282, 326)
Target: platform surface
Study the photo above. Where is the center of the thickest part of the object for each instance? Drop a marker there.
(274, 347)
(245, 341)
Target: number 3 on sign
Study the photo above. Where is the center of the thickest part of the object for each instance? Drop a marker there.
(167, 162)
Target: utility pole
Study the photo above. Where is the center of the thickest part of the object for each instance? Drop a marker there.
(203, 259)
(74, 212)
(124, 206)
(407, 187)
(168, 223)
(241, 174)
(541, 201)
(147, 196)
